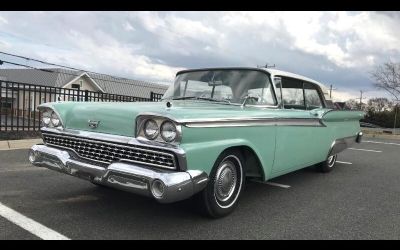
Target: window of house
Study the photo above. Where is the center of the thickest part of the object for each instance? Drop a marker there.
(7, 104)
(75, 86)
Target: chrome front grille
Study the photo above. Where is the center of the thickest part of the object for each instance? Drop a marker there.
(108, 152)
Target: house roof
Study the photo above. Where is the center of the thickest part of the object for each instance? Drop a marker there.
(57, 77)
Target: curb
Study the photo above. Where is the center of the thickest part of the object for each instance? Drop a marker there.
(381, 136)
(19, 144)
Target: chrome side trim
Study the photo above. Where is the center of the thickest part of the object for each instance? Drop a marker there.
(241, 121)
(308, 122)
(109, 138)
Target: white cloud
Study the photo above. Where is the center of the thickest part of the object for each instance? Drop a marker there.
(3, 20)
(319, 33)
(128, 26)
(335, 47)
(342, 96)
(110, 56)
(4, 45)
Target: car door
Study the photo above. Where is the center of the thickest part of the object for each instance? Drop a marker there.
(299, 133)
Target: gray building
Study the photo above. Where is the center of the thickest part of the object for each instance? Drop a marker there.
(22, 100)
(71, 79)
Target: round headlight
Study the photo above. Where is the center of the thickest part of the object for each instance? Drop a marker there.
(168, 131)
(46, 117)
(55, 120)
(150, 129)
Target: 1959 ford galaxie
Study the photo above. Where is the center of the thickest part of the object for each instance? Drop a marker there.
(213, 129)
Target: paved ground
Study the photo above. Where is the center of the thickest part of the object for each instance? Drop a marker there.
(356, 201)
(19, 144)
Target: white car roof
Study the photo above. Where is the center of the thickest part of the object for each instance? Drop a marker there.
(276, 72)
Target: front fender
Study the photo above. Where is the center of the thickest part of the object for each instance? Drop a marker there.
(202, 155)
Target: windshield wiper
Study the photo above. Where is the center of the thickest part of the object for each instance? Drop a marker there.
(201, 98)
(184, 97)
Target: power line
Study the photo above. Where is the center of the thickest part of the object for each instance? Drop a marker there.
(36, 60)
(71, 68)
(26, 66)
(58, 65)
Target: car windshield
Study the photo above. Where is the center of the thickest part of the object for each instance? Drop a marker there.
(228, 86)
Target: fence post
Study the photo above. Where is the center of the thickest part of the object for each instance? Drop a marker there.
(86, 95)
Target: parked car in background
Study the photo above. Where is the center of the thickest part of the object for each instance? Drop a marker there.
(369, 125)
(213, 129)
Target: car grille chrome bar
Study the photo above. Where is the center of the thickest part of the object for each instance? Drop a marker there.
(108, 152)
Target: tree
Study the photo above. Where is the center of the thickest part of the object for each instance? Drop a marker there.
(379, 104)
(387, 77)
(352, 104)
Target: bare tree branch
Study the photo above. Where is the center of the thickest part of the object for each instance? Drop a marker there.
(387, 77)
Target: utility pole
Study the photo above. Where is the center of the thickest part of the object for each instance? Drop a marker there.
(395, 116)
(330, 91)
(361, 97)
(266, 66)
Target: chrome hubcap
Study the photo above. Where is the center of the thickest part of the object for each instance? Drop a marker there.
(225, 181)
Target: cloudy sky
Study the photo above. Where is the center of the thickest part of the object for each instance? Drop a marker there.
(338, 48)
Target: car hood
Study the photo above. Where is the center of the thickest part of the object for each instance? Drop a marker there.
(119, 118)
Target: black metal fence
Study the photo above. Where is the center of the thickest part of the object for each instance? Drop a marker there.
(19, 102)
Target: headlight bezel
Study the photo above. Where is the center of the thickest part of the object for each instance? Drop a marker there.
(52, 116)
(46, 117)
(141, 121)
(55, 119)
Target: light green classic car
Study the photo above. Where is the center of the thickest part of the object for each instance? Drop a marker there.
(213, 129)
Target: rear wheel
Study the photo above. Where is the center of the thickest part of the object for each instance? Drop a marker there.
(328, 164)
(221, 195)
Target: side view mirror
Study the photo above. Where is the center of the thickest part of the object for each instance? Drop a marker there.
(249, 97)
(317, 112)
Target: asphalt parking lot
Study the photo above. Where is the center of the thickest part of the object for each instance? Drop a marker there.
(360, 199)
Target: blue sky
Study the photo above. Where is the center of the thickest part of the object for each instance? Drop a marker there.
(338, 48)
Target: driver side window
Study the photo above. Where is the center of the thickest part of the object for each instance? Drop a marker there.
(264, 95)
(297, 94)
(292, 93)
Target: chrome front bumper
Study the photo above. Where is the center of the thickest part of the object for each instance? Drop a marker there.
(164, 185)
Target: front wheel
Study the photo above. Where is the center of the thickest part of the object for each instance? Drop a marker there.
(221, 195)
(327, 165)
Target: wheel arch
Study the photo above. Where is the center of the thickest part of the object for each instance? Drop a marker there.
(252, 165)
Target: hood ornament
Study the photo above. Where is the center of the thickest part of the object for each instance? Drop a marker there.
(93, 124)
